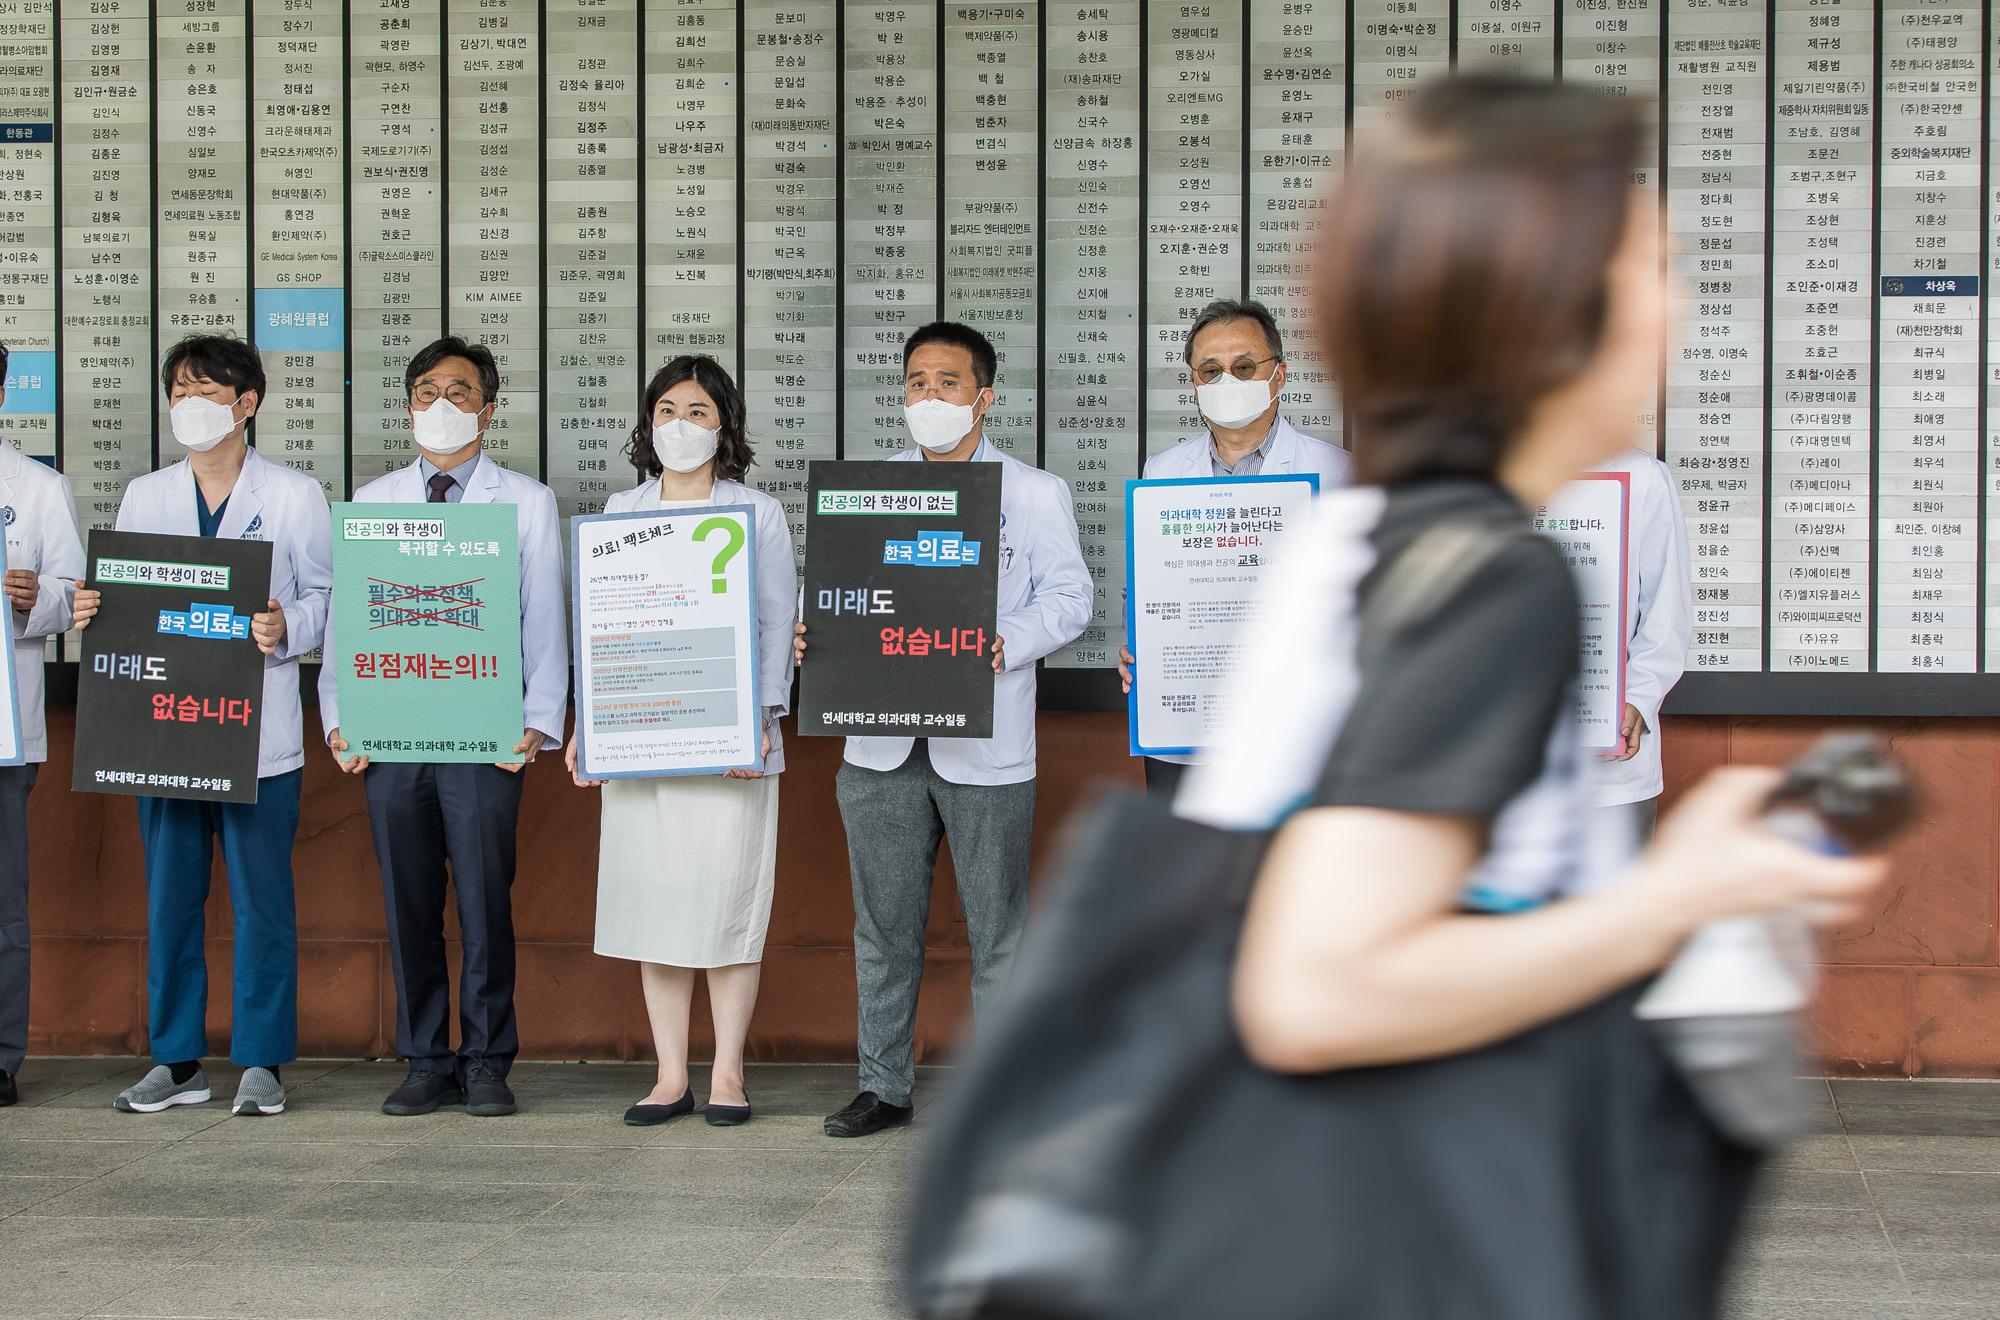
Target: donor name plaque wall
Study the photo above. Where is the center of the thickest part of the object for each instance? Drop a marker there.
(593, 186)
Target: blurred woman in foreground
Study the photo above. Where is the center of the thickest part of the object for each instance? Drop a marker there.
(1494, 309)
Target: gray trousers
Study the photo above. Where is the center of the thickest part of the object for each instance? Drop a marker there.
(16, 782)
(895, 819)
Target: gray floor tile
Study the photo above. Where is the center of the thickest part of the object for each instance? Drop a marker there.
(1810, 1273)
(1928, 1154)
(20, 1194)
(600, 1129)
(504, 1294)
(561, 1240)
(1792, 1309)
(1953, 1279)
(406, 1203)
(268, 1160)
(70, 1290)
(807, 1252)
(466, 1169)
(749, 1298)
(1832, 1189)
(355, 1289)
(286, 1243)
(751, 1207)
(72, 1159)
(765, 1131)
(1819, 1151)
(1897, 1189)
(60, 1242)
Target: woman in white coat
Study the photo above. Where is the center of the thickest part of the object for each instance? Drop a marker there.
(686, 864)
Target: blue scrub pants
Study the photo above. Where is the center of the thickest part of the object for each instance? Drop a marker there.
(257, 851)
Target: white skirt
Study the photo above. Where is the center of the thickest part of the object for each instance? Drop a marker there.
(685, 868)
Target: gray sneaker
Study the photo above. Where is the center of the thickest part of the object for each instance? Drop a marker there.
(157, 1090)
(258, 1093)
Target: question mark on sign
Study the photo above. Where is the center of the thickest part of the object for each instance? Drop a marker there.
(728, 551)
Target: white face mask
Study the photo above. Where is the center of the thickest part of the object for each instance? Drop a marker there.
(200, 423)
(1229, 403)
(939, 426)
(443, 429)
(683, 446)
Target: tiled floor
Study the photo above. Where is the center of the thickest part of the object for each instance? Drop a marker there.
(1892, 1208)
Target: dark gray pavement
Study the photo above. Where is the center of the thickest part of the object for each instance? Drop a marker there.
(1890, 1208)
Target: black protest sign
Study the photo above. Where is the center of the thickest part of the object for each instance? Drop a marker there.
(170, 697)
(901, 593)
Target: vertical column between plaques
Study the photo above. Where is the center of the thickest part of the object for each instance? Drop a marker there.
(591, 73)
(396, 198)
(494, 209)
(298, 207)
(1931, 230)
(691, 147)
(992, 228)
(106, 347)
(791, 243)
(1195, 170)
(892, 189)
(28, 245)
(1717, 124)
(1093, 309)
(1822, 334)
(1297, 114)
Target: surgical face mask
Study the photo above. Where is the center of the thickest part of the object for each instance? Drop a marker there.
(939, 426)
(199, 424)
(1229, 403)
(683, 446)
(443, 429)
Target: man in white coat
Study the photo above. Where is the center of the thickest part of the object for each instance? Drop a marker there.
(423, 815)
(224, 488)
(1659, 619)
(1235, 357)
(900, 796)
(44, 560)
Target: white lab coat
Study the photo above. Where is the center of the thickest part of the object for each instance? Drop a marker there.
(274, 503)
(1659, 615)
(1044, 605)
(544, 613)
(38, 516)
(1292, 452)
(777, 591)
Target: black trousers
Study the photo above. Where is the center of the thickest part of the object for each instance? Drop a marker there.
(16, 782)
(423, 816)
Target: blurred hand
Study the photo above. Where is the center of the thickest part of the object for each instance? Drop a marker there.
(268, 628)
(85, 608)
(569, 759)
(799, 644)
(1714, 858)
(352, 765)
(752, 774)
(999, 652)
(1125, 662)
(531, 742)
(23, 587)
(1631, 731)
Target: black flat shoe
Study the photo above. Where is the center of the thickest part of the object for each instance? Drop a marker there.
(726, 1115)
(654, 1115)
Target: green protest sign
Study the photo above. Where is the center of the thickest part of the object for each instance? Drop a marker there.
(427, 630)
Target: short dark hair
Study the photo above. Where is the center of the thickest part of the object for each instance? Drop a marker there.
(733, 455)
(1465, 263)
(3, 363)
(985, 362)
(218, 358)
(480, 356)
(1235, 309)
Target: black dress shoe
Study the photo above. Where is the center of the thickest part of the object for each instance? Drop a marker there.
(866, 1115)
(421, 1092)
(8, 1095)
(725, 1115)
(654, 1115)
(486, 1092)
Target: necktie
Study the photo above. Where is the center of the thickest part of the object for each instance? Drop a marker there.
(440, 483)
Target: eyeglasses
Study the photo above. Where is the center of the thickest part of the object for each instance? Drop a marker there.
(461, 396)
(1243, 369)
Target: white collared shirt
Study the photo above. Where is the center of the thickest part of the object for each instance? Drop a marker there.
(38, 518)
(544, 612)
(270, 502)
(1044, 604)
(1659, 614)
